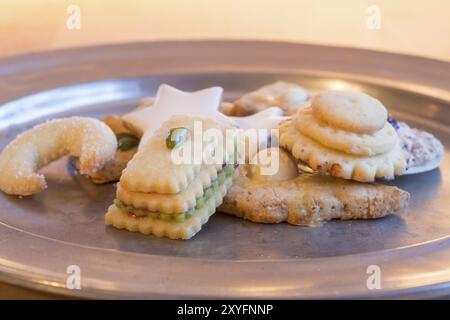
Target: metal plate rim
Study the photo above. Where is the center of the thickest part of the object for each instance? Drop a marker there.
(436, 288)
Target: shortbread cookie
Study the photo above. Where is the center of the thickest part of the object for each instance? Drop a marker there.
(311, 200)
(368, 144)
(87, 138)
(165, 226)
(152, 168)
(176, 212)
(171, 203)
(288, 96)
(339, 164)
(351, 111)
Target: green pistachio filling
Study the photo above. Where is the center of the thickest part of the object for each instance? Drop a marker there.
(183, 216)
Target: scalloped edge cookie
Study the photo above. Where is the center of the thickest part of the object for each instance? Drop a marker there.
(379, 142)
(338, 164)
(143, 172)
(170, 203)
(173, 230)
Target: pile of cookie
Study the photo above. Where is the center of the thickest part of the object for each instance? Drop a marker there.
(333, 146)
(345, 135)
(338, 138)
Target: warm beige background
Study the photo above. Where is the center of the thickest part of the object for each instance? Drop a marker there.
(420, 27)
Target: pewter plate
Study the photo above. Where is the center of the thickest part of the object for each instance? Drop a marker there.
(40, 236)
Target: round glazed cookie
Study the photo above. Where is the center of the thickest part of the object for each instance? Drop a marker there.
(379, 142)
(351, 111)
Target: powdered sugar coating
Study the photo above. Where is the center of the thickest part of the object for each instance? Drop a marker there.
(89, 139)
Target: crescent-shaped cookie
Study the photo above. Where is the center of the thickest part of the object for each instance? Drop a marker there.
(86, 138)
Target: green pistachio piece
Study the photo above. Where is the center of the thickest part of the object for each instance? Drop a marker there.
(125, 144)
(176, 136)
(126, 141)
(120, 135)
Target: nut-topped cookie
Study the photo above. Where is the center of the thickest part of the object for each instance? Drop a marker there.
(160, 196)
(348, 137)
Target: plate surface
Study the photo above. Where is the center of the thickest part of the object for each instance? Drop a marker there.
(40, 236)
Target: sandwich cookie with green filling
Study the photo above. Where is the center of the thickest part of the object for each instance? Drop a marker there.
(166, 198)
